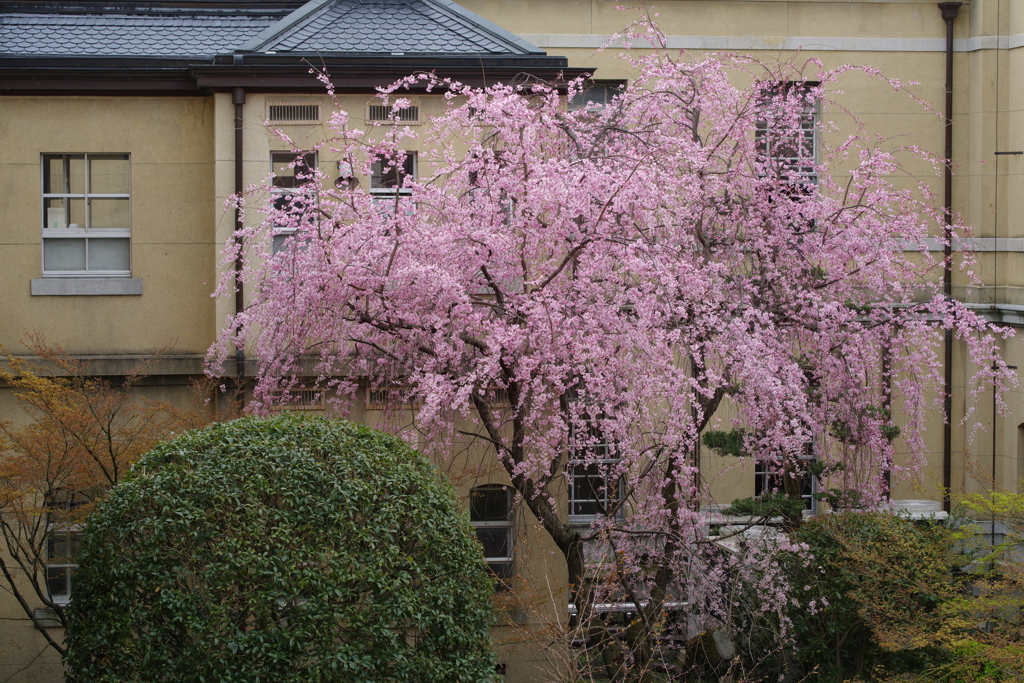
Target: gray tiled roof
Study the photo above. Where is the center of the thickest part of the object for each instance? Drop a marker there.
(318, 26)
(127, 35)
(386, 26)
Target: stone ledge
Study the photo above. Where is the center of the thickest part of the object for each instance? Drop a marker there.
(82, 286)
(46, 617)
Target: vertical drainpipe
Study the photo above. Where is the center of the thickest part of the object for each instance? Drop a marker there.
(949, 13)
(238, 99)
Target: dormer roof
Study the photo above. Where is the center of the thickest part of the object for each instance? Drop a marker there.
(387, 27)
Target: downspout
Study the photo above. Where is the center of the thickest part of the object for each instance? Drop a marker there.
(949, 13)
(238, 99)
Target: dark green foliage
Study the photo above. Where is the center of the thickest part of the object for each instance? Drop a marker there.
(283, 549)
(850, 433)
(771, 504)
(726, 443)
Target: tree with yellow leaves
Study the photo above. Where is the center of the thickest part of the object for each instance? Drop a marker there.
(83, 434)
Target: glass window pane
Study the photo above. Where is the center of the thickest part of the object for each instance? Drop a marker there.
(388, 174)
(55, 215)
(76, 174)
(377, 177)
(108, 213)
(109, 254)
(53, 174)
(74, 546)
(62, 547)
(64, 254)
(76, 213)
(285, 175)
(501, 570)
(108, 174)
(488, 505)
(494, 541)
(278, 242)
(57, 580)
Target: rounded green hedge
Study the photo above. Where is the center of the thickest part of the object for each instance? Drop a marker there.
(284, 549)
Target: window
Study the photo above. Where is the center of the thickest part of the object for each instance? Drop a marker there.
(63, 539)
(595, 487)
(789, 148)
(768, 478)
(62, 549)
(490, 511)
(86, 215)
(291, 171)
(388, 175)
(597, 95)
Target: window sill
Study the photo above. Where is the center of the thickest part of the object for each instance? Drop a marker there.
(84, 286)
(46, 617)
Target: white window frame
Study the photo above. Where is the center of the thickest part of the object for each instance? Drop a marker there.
(73, 535)
(500, 566)
(83, 232)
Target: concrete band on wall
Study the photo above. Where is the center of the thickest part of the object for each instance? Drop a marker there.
(731, 43)
(1010, 245)
(82, 286)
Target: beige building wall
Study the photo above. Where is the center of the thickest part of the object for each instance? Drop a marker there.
(182, 172)
(170, 141)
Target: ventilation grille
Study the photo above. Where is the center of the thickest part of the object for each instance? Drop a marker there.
(392, 397)
(385, 112)
(300, 399)
(294, 112)
(404, 397)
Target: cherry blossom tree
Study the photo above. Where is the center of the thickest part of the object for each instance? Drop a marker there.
(587, 288)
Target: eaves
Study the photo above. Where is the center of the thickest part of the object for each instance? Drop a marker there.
(43, 75)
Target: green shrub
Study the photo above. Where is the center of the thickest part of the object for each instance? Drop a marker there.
(283, 549)
(771, 504)
(873, 599)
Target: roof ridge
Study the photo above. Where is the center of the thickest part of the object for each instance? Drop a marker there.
(277, 30)
(445, 27)
(314, 23)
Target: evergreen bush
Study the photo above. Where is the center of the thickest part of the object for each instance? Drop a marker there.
(284, 549)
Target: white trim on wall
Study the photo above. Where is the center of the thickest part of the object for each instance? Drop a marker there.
(976, 244)
(866, 44)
